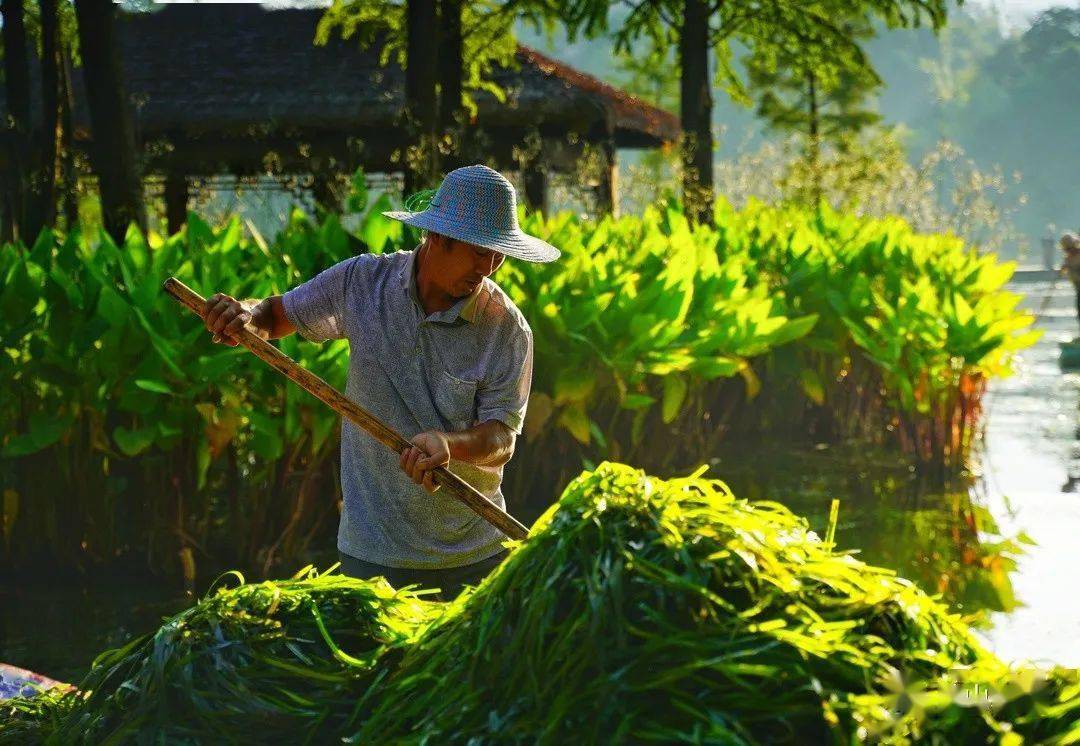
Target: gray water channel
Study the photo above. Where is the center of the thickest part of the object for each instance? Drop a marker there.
(1032, 449)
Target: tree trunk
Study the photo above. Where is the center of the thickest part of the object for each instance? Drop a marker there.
(322, 190)
(113, 154)
(536, 188)
(17, 83)
(421, 103)
(696, 111)
(50, 99)
(452, 124)
(69, 178)
(176, 201)
(814, 144)
(607, 189)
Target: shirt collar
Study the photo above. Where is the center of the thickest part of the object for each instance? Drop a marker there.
(463, 308)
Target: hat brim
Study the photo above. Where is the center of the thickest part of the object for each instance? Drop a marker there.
(518, 244)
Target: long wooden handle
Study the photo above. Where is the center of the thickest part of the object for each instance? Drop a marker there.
(349, 409)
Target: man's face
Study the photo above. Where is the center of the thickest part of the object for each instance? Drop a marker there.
(458, 267)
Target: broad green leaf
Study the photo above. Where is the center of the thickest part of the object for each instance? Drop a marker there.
(576, 422)
(158, 387)
(134, 442)
(812, 385)
(675, 388)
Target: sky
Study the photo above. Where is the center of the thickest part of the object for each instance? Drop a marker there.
(1019, 12)
(1016, 13)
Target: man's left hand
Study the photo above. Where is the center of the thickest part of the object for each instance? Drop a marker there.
(429, 451)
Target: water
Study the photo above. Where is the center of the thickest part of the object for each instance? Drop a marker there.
(1003, 553)
(1033, 451)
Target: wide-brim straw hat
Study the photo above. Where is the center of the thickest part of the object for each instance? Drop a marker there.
(478, 205)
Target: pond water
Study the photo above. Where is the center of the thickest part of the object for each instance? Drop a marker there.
(1003, 552)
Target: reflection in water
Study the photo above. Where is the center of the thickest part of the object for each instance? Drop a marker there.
(944, 540)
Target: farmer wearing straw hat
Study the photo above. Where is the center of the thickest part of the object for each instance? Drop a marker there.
(436, 349)
(1070, 244)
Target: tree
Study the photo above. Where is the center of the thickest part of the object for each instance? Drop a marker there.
(796, 96)
(766, 27)
(113, 156)
(45, 185)
(1022, 112)
(17, 84)
(445, 63)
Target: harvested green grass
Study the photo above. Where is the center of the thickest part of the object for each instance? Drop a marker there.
(27, 720)
(268, 662)
(638, 610)
(645, 609)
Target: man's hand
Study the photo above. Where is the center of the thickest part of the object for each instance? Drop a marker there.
(429, 451)
(225, 317)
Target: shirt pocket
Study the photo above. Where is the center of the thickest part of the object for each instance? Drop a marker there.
(455, 398)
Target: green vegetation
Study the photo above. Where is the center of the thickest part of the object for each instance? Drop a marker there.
(837, 327)
(259, 658)
(639, 609)
(780, 321)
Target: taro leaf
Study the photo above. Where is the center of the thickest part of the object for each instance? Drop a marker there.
(574, 419)
(675, 388)
(268, 446)
(537, 414)
(376, 230)
(715, 367)
(753, 383)
(202, 463)
(794, 329)
(148, 384)
(44, 431)
(812, 385)
(112, 307)
(637, 401)
(161, 345)
(134, 442)
(71, 290)
(574, 384)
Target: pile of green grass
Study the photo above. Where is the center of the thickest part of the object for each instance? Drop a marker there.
(651, 610)
(639, 609)
(272, 662)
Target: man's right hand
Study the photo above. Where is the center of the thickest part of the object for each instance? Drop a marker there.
(224, 317)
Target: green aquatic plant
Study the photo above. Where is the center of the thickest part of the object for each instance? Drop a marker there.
(643, 609)
(34, 719)
(779, 321)
(639, 609)
(281, 659)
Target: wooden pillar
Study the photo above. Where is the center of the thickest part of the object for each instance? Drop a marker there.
(323, 192)
(606, 190)
(176, 201)
(534, 174)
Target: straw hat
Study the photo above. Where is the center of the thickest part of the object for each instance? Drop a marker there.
(478, 205)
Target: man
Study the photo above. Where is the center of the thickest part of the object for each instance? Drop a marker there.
(1070, 244)
(437, 351)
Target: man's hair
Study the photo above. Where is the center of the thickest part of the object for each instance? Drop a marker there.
(1070, 241)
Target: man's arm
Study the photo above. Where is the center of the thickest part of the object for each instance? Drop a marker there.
(490, 443)
(225, 317)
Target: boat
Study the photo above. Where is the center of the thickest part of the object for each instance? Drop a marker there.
(18, 682)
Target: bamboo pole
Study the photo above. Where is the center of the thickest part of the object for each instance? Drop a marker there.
(350, 410)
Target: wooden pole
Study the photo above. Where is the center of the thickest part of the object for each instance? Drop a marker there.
(350, 410)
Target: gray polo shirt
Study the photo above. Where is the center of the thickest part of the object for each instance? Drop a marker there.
(447, 371)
